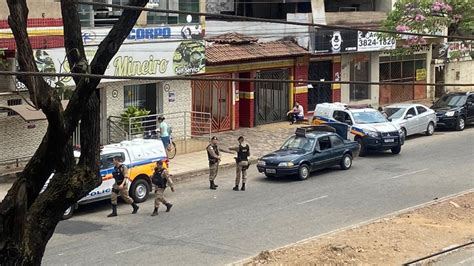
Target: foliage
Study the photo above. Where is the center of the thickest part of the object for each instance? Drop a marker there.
(430, 17)
(133, 125)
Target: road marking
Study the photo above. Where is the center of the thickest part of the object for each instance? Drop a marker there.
(127, 250)
(311, 200)
(410, 173)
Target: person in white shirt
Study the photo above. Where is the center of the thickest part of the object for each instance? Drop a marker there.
(297, 113)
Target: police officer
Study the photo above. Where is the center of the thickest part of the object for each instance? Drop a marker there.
(120, 174)
(242, 162)
(161, 178)
(214, 159)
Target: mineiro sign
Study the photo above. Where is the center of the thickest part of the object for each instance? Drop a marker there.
(164, 59)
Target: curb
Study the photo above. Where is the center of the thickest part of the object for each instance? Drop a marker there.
(8, 178)
(181, 177)
(373, 220)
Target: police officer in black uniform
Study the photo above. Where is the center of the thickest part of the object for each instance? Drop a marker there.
(120, 174)
(161, 178)
(214, 159)
(242, 162)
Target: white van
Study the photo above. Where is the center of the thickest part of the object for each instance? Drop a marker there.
(368, 126)
(139, 155)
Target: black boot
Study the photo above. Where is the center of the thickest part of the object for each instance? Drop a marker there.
(114, 211)
(168, 207)
(155, 212)
(212, 186)
(243, 187)
(135, 208)
(236, 188)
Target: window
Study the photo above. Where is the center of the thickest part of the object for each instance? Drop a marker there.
(411, 111)
(170, 18)
(324, 143)
(298, 143)
(421, 109)
(107, 160)
(470, 99)
(343, 117)
(360, 71)
(142, 96)
(336, 141)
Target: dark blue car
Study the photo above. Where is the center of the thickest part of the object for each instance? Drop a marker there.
(310, 149)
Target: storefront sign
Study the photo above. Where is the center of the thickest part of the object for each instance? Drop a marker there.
(171, 96)
(163, 59)
(371, 41)
(334, 41)
(460, 50)
(147, 34)
(420, 74)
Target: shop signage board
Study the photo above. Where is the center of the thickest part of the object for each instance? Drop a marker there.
(164, 59)
(93, 36)
(371, 41)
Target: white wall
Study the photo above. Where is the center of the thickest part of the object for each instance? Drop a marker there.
(459, 72)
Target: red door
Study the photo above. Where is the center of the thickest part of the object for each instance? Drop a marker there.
(214, 97)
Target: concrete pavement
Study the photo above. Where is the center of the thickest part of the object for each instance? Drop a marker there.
(217, 227)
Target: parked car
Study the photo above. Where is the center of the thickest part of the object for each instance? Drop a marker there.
(138, 155)
(454, 110)
(367, 126)
(412, 118)
(308, 150)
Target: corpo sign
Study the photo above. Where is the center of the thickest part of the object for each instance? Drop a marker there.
(149, 33)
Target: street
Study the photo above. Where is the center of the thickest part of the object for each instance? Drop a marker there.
(218, 227)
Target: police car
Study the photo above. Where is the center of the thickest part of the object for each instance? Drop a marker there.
(139, 155)
(310, 149)
(368, 127)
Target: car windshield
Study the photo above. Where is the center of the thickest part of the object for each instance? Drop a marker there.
(394, 112)
(298, 143)
(369, 117)
(451, 101)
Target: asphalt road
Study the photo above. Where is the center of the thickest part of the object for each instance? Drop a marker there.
(218, 227)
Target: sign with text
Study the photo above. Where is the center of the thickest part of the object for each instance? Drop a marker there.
(163, 59)
(94, 36)
(370, 41)
(460, 50)
(334, 41)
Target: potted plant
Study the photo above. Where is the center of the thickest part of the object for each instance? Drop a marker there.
(134, 127)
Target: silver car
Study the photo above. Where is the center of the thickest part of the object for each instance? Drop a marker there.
(412, 118)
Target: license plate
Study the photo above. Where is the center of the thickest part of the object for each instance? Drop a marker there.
(271, 171)
(389, 140)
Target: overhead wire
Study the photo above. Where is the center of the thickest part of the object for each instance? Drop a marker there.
(214, 78)
(225, 16)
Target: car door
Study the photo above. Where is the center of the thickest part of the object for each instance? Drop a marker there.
(338, 148)
(424, 118)
(470, 108)
(411, 121)
(322, 156)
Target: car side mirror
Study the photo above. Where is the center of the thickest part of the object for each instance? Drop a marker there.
(389, 119)
(316, 150)
(408, 116)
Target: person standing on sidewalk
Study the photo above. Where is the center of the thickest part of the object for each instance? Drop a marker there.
(120, 174)
(164, 131)
(161, 178)
(214, 159)
(242, 162)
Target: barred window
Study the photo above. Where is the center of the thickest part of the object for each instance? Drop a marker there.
(360, 71)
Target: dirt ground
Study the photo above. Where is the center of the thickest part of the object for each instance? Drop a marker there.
(390, 241)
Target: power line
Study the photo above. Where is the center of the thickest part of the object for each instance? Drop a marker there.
(201, 78)
(158, 10)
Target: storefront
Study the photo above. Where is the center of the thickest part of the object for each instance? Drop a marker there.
(246, 103)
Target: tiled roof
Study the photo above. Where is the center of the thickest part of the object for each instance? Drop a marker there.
(232, 38)
(226, 53)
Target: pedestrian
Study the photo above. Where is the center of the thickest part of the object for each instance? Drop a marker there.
(161, 178)
(164, 130)
(120, 174)
(242, 162)
(296, 114)
(214, 159)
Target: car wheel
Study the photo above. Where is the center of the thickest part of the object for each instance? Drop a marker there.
(430, 129)
(139, 190)
(362, 151)
(346, 161)
(460, 124)
(68, 213)
(396, 150)
(404, 132)
(303, 172)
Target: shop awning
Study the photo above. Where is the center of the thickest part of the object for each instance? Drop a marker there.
(27, 112)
